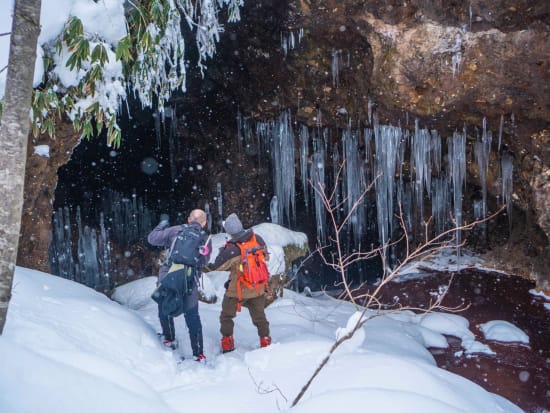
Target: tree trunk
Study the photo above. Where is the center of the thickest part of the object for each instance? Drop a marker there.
(14, 131)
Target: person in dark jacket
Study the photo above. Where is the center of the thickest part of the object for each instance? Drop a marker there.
(163, 235)
(229, 259)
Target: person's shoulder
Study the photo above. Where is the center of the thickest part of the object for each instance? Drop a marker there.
(246, 235)
(259, 238)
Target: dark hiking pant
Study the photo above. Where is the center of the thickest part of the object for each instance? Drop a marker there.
(193, 321)
(255, 307)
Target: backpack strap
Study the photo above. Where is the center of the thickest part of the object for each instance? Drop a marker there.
(168, 259)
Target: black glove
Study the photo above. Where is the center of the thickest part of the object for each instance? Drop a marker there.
(226, 284)
(164, 220)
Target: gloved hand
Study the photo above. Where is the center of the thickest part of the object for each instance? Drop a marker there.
(226, 284)
(204, 250)
(164, 220)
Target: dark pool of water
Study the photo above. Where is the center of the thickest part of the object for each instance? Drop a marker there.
(518, 372)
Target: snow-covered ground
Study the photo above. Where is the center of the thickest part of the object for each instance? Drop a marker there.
(67, 348)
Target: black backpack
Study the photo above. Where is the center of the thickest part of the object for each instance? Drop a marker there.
(185, 248)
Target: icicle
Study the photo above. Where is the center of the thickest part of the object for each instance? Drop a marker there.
(288, 40)
(336, 68)
(340, 190)
(369, 170)
(421, 164)
(507, 185)
(90, 262)
(457, 159)
(104, 258)
(172, 150)
(387, 140)
(220, 204)
(440, 204)
(208, 217)
(317, 176)
(370, 106)
(407, 204)
(319, 118)
(354, 184)
(304, 154)
(477, 209)
(470, 14)
(158, 134)
(482, 152)
(274, 210)
(62, 262)
(457, 54)
(79, 274)
(500, 127)
(284, 43)
(283, 167)
(240, 136)
(436, 150)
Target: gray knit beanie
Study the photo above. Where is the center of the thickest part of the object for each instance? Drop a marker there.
(232, 224)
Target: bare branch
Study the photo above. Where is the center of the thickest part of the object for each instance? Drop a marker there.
(5, 34)
(372, 305)
(266, 390)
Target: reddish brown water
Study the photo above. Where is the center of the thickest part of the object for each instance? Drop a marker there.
(518, 372)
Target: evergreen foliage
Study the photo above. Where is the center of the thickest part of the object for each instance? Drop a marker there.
(151, 55)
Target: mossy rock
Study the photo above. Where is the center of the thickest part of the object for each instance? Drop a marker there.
(277, 282)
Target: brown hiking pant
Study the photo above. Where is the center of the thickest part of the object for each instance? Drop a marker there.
(255, 307)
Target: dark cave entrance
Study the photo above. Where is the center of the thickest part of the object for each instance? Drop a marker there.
(165, 164)
(108, 199)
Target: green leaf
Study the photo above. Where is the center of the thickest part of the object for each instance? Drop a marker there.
(145, 41)
(87, 130)
(93, 108)
(74, 30)
(35, 130)
(123, 49)
(58, 46)
(96, 73)
(99, 54)
(72, 61)
(76, 123)
(158, 13)
(113, 137)
(83, 49)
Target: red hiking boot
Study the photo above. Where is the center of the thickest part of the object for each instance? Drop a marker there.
(228, 344)
(171, 344)
(201, 358)
(265, 341)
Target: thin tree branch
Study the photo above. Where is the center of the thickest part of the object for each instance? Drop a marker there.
(340, 263)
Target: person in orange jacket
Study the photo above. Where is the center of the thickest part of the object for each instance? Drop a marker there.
(237, 293)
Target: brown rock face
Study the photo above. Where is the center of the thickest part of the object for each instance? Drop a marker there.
(40, 183)
(449, 64)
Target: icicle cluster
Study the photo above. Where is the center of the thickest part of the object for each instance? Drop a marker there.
(280, 135)
(93, 252)
(457, 176)
(433, 185)
(507, 184)
(354, 184)
(482, 150)
(387, 140)
(317, 178)
(289, 40)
